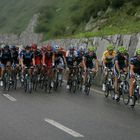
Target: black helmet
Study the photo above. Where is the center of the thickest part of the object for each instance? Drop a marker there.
(13, 47)
(28, 47)
(6, 47)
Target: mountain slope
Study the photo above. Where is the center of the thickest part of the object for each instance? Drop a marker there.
(15, 14)
(78, 18)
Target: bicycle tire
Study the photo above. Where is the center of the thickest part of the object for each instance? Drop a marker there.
(56, 85)
(107, 91)
(125, 94)
(29, 87)
(49, 85)
(74, 83)
(87, 90)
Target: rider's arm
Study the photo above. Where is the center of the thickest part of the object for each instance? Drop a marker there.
(132, 69)
(117, 65)
(43, 59)
(96, 64)
(104, 59)
(21, 61)
(53, 59)
(126, 63)
(65, 62)
(83, 63)
(33, 61)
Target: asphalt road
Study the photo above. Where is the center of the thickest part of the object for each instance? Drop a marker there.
(65, 116)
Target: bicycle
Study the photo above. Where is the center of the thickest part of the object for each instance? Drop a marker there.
(109, 89)
(73, 79)
(35, 77)
(136, 96)
(123, 88)
(47, 79)
(88, 81)
(27, 80)
(58, 77)
(80, 78)
(9, 80)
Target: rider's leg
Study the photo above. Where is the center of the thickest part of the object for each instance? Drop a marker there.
(131, 89)
(104, 79)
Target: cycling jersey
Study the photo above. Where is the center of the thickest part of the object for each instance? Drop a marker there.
(38, 57)
(134, 61)
(89, 60)
(6, 57)
(27, 58)
(122, 59)
(108, 58)
(71, 57)
(59, 60)
(14, 54)
(48, 59)
(80, 57)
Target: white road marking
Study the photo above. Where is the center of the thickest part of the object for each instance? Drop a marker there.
(63, 128)
(10, 97)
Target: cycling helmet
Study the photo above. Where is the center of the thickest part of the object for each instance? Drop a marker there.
(13, 47)
(34, 46)
(81, 48)
(6, 47)
(71, 48)
(138, 51)
(49, 47)
(56, 48)
(121, 49)
(91, 48)
(2, 46)
(110, 47)
(27, 47)
(43, 48)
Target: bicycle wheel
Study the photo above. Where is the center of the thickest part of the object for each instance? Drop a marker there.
(15, 82)
(134, 98)
(87, 89)
(6, 81)
(25, 85)
(34, 82)
(49, 85)
(107, 91)
(29, 83)
(56, 83)
(74, 84)
(125, 93)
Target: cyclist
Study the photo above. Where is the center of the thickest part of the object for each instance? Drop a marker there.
(80, 57)
(60, 60)
(37, 55)
(27, 59)
(91, 60)
(6, 60)
(107, 61)
(71, 58)
(120, 65)
(48, 61)
(14, 54)
(134, 69)
(81, 63)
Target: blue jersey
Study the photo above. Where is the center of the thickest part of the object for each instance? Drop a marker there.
(27, 58)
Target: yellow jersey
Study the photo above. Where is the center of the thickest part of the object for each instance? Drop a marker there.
(108, 57)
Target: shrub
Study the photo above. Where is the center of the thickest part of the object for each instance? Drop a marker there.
(136, 2)
(116, 3)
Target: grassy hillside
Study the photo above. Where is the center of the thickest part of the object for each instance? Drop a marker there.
(62, 18)
(69, 18)
(15, 14)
